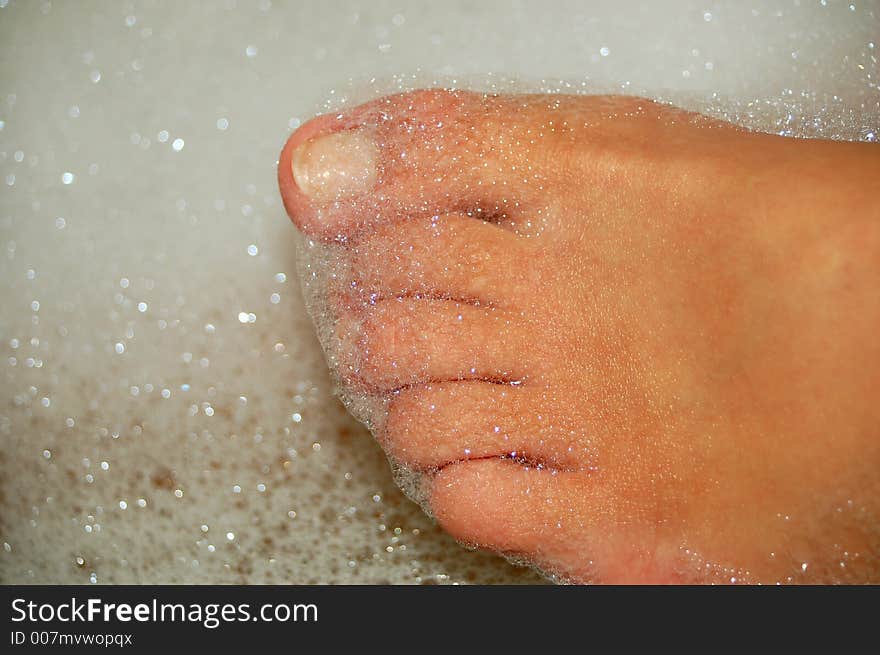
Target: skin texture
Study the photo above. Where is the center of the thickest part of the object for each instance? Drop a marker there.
(621, 341)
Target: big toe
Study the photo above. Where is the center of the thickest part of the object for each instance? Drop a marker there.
(415, 154)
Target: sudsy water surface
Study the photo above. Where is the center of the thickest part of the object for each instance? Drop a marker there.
(167, 412)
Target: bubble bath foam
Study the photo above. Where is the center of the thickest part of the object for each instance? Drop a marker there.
(168, 416)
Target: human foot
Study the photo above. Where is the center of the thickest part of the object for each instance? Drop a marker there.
(624, 342)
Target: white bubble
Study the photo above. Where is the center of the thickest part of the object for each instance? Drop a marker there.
(119, 347)
(252, 250)
(177, 144)
(67, 177)
(604, 51)
(222, 123)
(251, 51)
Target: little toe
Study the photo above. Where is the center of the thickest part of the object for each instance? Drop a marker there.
(551, 518)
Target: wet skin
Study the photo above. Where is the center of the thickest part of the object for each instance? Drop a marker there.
(624, 342)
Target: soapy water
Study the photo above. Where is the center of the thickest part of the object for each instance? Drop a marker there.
(328, 265)
(167, 414)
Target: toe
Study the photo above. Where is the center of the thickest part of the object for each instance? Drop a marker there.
(548, 517)
(429, 426)
(452, 256)
(414, 154)
(407, 341)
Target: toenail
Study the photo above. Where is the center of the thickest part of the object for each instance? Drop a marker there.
(335, 166)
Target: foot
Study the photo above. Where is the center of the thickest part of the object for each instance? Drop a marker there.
(621, 341)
